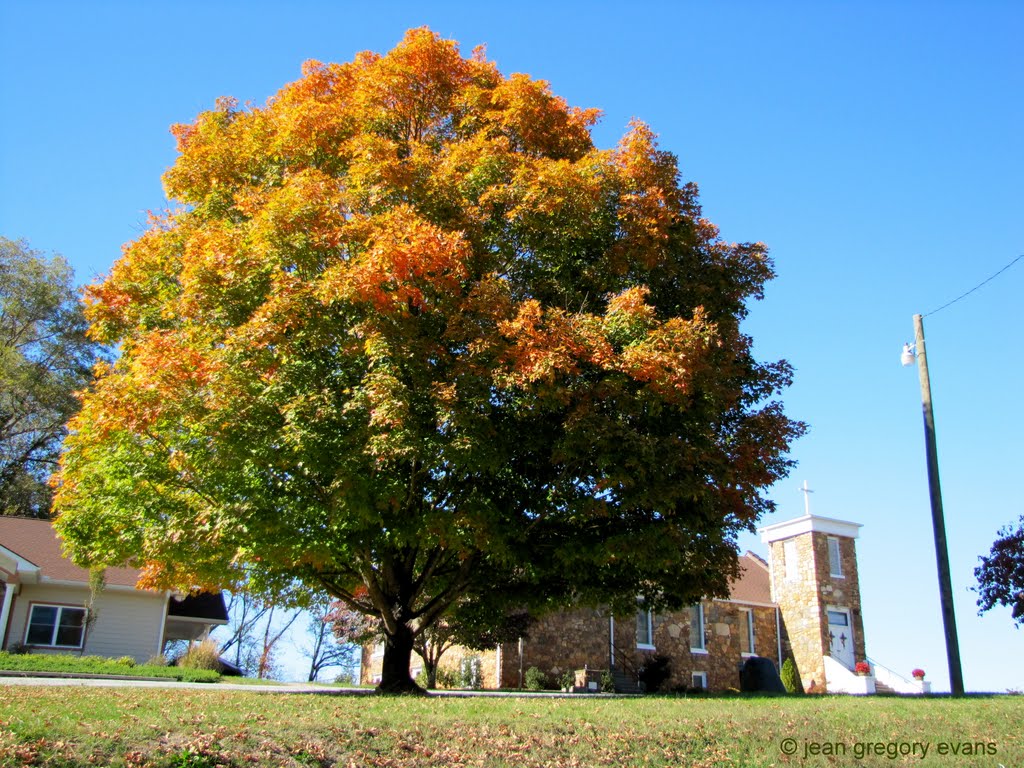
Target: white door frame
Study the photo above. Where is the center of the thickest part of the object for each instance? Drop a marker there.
(849, 657)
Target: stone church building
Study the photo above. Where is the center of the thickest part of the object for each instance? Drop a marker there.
(803, 603)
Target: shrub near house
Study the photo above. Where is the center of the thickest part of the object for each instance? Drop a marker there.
(65, 664)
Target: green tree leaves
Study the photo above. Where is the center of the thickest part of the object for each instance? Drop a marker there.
(45, 358)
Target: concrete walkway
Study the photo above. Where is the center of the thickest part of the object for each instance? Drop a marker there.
(291, 688)
(130, 682)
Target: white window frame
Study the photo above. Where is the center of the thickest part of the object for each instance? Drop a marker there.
(749, 613)
(56, 625)
(700, 646)
(791, 562)
(702, 677)
(835, 564)
(641, 613)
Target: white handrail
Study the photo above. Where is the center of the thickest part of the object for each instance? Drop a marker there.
(897, 682)
(874, 663)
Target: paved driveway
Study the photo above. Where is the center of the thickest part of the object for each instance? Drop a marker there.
(127, 682)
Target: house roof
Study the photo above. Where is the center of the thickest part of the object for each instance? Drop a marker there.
(36, 541)
(754, 583)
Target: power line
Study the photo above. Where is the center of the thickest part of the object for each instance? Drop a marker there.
(954, 301)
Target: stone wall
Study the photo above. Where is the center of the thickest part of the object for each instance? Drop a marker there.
(723, 630)
(559, 642)
(486, 661)
(800, 605)
(371, 663)
(579, 639)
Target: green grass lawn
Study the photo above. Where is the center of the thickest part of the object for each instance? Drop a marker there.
(196, 728)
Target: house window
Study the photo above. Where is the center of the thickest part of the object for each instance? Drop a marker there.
(789, 555)
(746, 632)
(57, 626)
(835, 565)
(697, 628)
(699, 681)
(644, 629)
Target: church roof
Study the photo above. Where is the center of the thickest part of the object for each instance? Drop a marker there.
(754, 583)
(807, 524)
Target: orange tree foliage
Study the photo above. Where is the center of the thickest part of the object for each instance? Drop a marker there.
(410, 338)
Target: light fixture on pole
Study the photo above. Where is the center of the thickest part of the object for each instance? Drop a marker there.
(910, 352)
(907, 358)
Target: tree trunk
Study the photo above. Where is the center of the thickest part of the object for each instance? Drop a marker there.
(394, 675)
(431, 670)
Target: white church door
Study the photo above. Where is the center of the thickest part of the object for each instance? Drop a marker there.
(840, 631)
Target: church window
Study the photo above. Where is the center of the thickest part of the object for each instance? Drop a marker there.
(747, 632)
(697, 628)
(644, 629)
(789, 556)
(835, 564)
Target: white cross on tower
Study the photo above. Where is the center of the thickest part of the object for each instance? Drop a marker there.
(807, 498)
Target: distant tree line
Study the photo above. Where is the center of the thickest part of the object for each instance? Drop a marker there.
(45, 358)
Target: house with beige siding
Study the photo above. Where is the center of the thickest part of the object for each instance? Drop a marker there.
(802, 603)
(45, 602)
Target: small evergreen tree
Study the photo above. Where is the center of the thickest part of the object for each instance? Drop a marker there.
(790, 679)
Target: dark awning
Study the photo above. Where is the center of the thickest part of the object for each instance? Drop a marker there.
(208, 606)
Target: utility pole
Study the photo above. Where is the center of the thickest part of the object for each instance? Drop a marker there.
(956, 678)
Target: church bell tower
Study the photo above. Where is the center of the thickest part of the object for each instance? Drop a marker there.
(815, 583)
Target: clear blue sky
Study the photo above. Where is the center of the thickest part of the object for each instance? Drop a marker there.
(876, 147)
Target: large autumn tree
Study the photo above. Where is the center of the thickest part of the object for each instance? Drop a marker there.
(412, 339)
